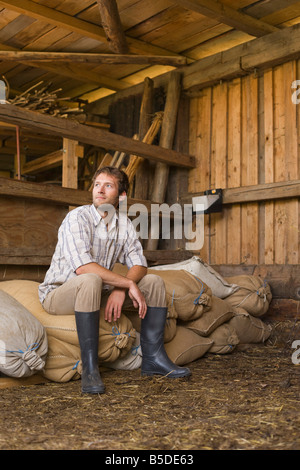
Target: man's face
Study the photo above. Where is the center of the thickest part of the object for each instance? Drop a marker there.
(106, 190)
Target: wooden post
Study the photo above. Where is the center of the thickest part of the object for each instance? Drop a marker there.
(112, 26)
(142, 175)
(70, 163)
(166, 141)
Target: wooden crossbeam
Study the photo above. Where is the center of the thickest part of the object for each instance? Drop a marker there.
(254, 193)
(15, 55)
(227, 15)
(97, 137)
(53, 194)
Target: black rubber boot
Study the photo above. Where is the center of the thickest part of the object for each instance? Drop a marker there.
(154, 357)
(87, 324)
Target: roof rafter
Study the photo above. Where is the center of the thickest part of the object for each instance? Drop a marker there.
(230, 16)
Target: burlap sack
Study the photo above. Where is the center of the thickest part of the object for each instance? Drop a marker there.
(63, 361)
(132, 360)
(254, 294)
(187, 346)
(219, 286)
(115, 339)
(187, 295)
(26, 292)
(225, 339)
(219, 312)
(170, 329)
(249, 329)
(23, 340)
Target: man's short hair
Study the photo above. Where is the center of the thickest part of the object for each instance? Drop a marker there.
(120, 175)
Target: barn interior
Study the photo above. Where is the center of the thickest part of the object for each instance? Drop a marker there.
(195, 100)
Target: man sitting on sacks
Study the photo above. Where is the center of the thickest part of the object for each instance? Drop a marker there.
(91, 239)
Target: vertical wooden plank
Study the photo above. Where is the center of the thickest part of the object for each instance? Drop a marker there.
(234, 170)
(70, 164)
(249, 163)
(219, 171)
(291, 164)
(261, 168)
(269, 164)
(279, 167)
(200, 146)
(193, 143)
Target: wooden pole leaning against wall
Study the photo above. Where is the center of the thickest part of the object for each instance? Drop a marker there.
(141, 190)
(135, 161)
(166, 140)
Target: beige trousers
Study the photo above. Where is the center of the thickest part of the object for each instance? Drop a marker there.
(84, 293)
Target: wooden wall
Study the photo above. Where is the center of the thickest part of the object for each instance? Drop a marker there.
(246, 132)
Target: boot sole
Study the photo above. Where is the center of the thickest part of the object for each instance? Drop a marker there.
(168, 375)
(93, 390)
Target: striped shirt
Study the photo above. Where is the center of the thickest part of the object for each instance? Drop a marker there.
(83, 238)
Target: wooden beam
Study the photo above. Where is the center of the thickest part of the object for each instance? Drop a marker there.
(15, 55)
(112, 26)
(52, 194)
(262, 192)
(255, 193)
(97, 137)
(227, 15)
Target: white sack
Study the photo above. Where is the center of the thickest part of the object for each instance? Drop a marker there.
(23, 341)
(195, 265)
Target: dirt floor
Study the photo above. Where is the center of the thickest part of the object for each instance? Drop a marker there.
(246, 400)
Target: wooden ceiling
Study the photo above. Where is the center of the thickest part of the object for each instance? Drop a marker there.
(160, 33)
(82, 51)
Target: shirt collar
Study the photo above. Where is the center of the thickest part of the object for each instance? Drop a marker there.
(98, 219)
